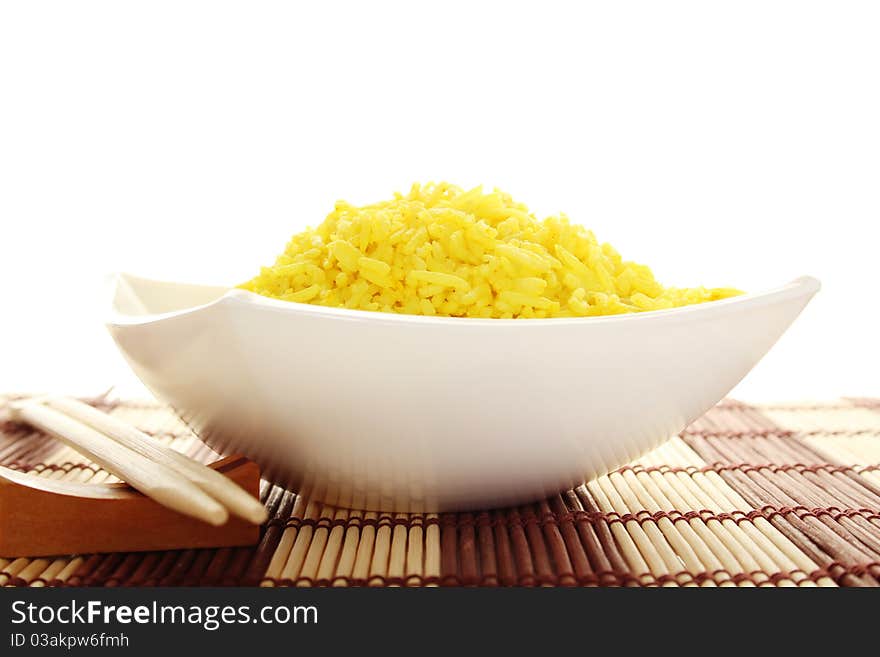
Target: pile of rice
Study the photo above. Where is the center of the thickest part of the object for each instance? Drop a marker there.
(440, 250)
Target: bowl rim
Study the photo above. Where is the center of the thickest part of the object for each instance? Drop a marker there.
(803, 286)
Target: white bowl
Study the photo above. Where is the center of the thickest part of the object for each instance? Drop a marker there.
(411, 413)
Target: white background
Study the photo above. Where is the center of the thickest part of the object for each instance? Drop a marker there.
(732, 143)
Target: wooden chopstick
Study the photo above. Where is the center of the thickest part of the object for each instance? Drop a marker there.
(154, 480)
(237, 500)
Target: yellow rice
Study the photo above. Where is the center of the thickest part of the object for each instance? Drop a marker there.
(440, 250)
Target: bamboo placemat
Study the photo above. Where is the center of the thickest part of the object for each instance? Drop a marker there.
(782, 495)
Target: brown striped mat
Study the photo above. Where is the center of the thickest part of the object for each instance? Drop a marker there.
(782, 495)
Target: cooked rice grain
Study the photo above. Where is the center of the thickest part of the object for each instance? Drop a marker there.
(440, 250)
